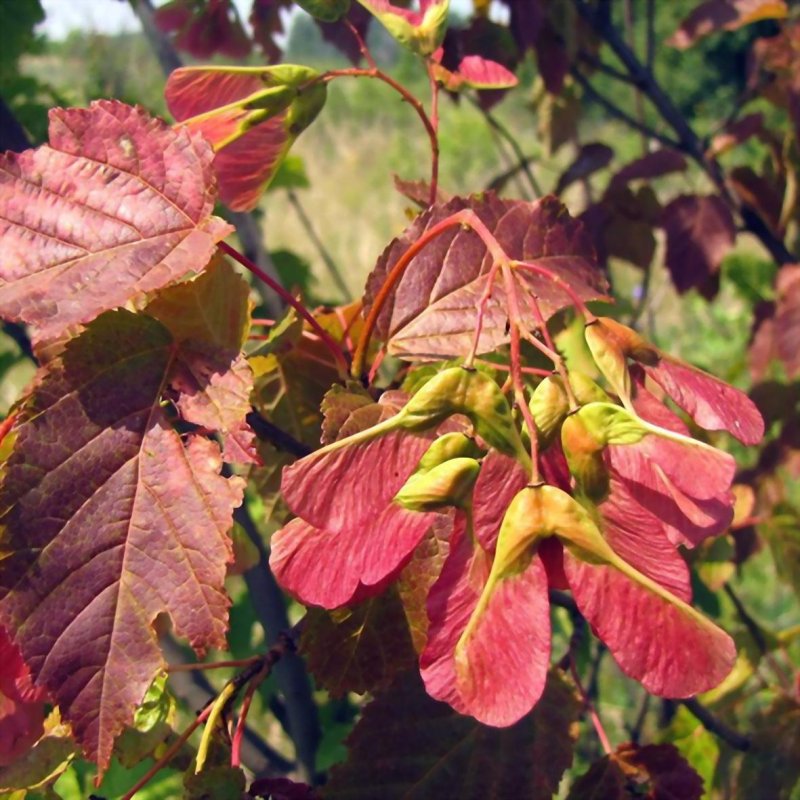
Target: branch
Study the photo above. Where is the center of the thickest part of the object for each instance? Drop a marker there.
(326, 257)
(616, 111)
(713, 725)
(265, 429)
(523, 162)
(290, 672)
(194, 689)
(688, 141)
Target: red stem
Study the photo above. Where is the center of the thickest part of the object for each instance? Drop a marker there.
(169, 755)
(238, 736)
(434, 117)
(465, 217)
(430, 128)
(362, 45)
(336, 351)
(542, 373)
(598, 725)
(576, 300)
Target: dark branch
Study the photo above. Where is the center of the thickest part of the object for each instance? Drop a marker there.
(713, 725)
(265, 429)
(688, 141)
(616, 111)
(290, 672)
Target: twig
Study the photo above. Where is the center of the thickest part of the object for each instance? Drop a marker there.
(754, 630)
(596, 63)
(265, 429)
(194, 689)
(324, 254)
(617, 112)
(377, 74)
(713, 725)
(172, 668)
(290, 673)
(522, 161)
(688, 141)
(334, 348)
(636, 730)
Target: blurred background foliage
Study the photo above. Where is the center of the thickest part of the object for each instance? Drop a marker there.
(339, 184)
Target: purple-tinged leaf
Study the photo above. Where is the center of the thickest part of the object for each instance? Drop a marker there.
(211, 381)
(658, 769)
(430, 313)
(591, 158)
(118, 204)
(652, 165)
(700, 232)
(204, 31)
(111, 518)
(281, 789)
(724, 15)
(408, 745)
(359, 649)
(736, 133)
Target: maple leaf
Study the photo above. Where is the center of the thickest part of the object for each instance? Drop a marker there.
(408, 745)
(116, 205)
(430, 312)
(358, 649)
(212, 380)
(204, 31)
(658, 769)
(700, 231)
(251, 117)
(110, 519)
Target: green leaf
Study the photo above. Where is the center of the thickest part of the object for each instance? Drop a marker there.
(44, 762)
(699, 747)
(151, 724)
(408, 745)
(358, 649)
(291, 174)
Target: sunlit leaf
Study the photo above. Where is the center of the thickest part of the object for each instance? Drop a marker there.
(116, 205)
(99, 497)
(430, 313)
